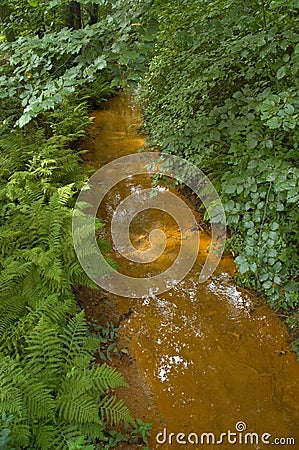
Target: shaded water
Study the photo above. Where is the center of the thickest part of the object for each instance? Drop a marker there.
(213, 354)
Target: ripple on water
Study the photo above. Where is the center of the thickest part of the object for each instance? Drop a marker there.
(211, 352)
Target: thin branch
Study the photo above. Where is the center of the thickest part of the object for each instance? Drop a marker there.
(264, 15)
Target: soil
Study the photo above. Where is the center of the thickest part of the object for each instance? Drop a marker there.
(102, 308)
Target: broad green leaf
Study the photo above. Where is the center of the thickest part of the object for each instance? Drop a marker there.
(24, 119)
(252, 143)
(289, 108)
(230, 188)
(281, 72)
(100, 63)
(267, 284)
(274, 123)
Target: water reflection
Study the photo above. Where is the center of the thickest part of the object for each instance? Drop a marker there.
(211, 352)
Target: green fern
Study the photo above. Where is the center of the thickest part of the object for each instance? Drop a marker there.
(48, 377)
(114, 411)
(105, 377)
(75, 339)
(48, 384)
(96, 92)
(70, 120)
(43, 352)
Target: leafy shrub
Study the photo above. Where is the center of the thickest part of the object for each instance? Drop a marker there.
(42, 69)
(222, 91)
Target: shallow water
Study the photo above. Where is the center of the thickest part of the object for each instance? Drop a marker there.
(213, 354)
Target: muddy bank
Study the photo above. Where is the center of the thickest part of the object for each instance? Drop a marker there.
(104, 308)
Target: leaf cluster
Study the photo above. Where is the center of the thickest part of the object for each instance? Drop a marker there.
(222, 92)
(41, 69)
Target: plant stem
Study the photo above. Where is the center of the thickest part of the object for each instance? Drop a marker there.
(264, 15)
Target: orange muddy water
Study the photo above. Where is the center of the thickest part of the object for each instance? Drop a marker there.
(214, 356)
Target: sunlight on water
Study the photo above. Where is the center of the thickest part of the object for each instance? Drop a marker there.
(212, 353)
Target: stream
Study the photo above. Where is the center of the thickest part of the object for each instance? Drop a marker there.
(216, 357)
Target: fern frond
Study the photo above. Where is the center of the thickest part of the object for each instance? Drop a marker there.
(18, 147)
(43, 355)
(10, 312)
(12, 271)
(75, 338)
(51, 307)
(34, 397)
(113, 411)
(105, 377)
(38, 399)
(20, 433)
(74, 402)
(51, 437)
(8, 240)
(11, 400)
(93, 430)
(70, 121)
(80, 410)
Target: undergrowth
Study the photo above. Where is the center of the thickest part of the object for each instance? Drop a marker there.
(222, 92)
(52, 391)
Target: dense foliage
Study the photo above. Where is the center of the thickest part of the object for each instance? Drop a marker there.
(55, 54)
(222, 91)
(47, 64)
(48, 379)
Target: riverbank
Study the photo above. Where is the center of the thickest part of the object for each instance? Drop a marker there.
(198, 350)
(221, 91)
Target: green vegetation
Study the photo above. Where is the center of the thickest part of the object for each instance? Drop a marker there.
(67, 56)
(50, 61)
(48, 378)
(222, 91)
(136, 433)
(108, 336)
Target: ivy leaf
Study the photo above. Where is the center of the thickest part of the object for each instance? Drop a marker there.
(279, 206)
(264, 276)
(249, 224)
(281, 72)
(242, 264)
(23, 120)
(267, 284)
(100, 63)
(230, 188)
(273, 123)
(289, 108)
